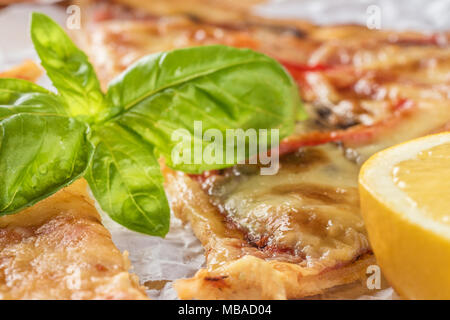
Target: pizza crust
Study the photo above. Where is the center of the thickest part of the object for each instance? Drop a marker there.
(253, 278)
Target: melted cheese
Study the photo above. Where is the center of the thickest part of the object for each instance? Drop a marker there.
(310, 208)
(429, 116)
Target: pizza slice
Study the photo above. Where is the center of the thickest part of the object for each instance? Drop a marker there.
(58, 248)
(290, 235)
(299, 232)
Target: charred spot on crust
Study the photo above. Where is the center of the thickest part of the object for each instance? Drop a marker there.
(219, 278)
(323, 112)
(193, 18)
(328, 119)
(294, 31)
(218, 282)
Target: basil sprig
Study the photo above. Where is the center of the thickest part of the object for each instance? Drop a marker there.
(48, 140)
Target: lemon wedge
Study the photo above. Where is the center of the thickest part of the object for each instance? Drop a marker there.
(405, 202)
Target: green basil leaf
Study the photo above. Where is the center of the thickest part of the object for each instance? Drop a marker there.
(126, 180)
(39, 154)
(68, 68)
(224, 87)
(21, 96)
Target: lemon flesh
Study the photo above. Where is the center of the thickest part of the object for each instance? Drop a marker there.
(405, 203)
(426, 181)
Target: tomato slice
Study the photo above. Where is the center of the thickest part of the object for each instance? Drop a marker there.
(295, 68)
(356, 135)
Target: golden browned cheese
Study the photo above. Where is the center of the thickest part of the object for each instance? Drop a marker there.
(299, 232)
(307, 213)
(58, 249)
